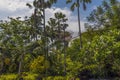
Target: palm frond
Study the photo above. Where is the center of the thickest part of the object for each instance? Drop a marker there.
(29, 5)
(74, 5)
(68, 1)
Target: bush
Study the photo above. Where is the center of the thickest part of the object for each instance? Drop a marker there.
(14, 77)
(8, 77)
(61, 78)
(39, 65)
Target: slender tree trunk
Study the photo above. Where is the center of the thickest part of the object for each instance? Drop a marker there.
(45, 36)
(19, 71)
(35, 22)
(64, 54)
(79, 25)
(1, 64)
(20, 65)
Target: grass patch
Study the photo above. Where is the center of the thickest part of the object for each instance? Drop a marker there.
(30, 76)
(14, 76)
(8, 77)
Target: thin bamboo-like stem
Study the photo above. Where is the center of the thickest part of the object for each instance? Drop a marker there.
(64, 54)
(45, 44)
(79, 24)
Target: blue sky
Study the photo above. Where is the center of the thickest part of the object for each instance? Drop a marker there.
(90, 7)
(15, 8)
(60, 4)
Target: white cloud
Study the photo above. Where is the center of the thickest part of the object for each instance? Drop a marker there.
(12, 5)
(50, 12)
(15, 8)
(94, 7)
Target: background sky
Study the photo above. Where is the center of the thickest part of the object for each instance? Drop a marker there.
(15, 8)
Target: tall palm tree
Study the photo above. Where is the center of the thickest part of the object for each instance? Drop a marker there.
(39, 12)
(75, 4)
(41, 5)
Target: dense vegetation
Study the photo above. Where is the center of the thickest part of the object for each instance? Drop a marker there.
(32, 50)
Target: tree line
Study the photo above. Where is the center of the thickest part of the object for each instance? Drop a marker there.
(30, 45)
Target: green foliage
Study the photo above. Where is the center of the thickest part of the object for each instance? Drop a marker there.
(39, 64)
(56, 30)
(98, 57)
(25, 76)
(8, 77)
(61, 78)
(106, 15)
